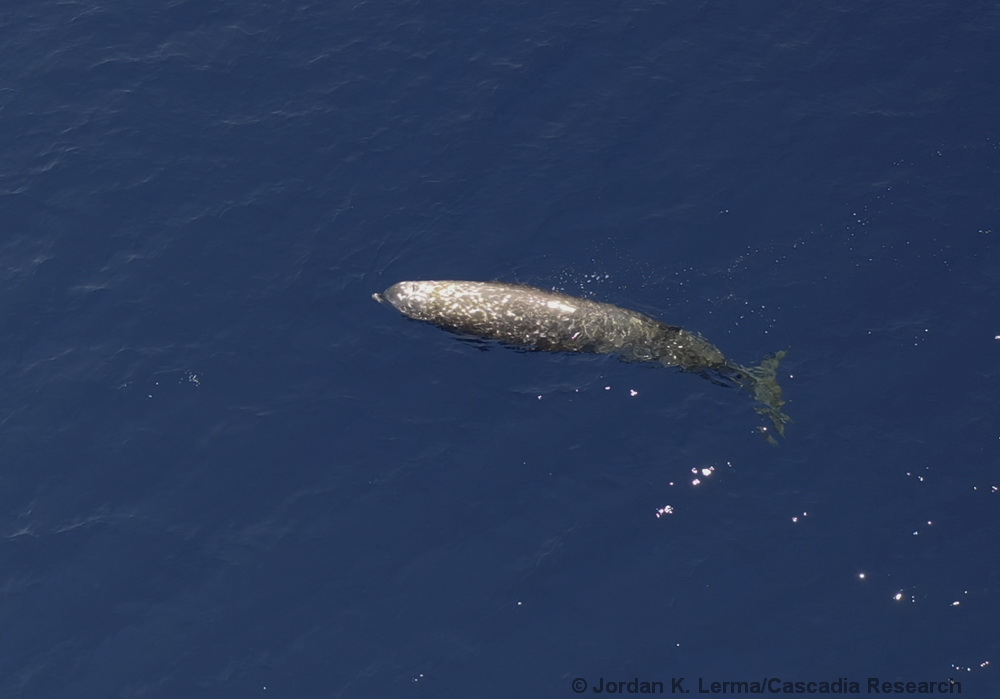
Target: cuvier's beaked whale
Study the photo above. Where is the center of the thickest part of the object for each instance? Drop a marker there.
(531, 318)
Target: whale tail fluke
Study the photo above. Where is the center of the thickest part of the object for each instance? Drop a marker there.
(761, 381)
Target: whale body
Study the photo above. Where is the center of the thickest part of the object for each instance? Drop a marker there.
(530, 318)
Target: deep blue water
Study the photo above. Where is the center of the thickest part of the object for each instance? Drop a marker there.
(227, 472)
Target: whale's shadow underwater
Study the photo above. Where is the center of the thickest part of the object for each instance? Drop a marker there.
(528, 318)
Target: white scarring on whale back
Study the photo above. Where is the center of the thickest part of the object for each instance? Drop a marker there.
(531, 318)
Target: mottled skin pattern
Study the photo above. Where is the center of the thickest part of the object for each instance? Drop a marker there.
(531, 318)
(524, 316)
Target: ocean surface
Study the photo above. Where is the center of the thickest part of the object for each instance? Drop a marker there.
(226, 472)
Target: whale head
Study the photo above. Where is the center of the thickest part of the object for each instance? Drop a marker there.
(412, 299)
